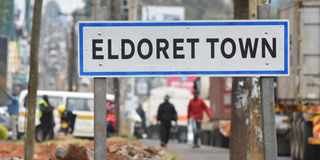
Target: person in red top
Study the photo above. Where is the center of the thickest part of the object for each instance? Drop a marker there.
(111, 118)
(195, 114)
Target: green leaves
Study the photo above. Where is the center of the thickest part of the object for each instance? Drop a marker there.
(4, 11)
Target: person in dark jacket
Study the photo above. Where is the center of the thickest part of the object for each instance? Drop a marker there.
(142, 115)
(166, 114)
(46, 117)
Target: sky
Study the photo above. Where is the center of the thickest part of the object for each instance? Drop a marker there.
(68, 6)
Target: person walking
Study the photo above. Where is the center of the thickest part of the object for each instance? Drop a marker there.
(195, 114)
(13, 110)
(111, 118)
(166, 114)
(46, 118)
(142, 115)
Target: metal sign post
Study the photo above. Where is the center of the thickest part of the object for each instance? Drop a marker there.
(100, 128)
(268, 104)
(100, 131)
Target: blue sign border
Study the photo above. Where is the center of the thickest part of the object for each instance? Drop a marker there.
(174, 73)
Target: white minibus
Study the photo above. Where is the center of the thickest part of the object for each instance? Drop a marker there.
(80, 104)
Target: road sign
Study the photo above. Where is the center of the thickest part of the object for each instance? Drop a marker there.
(215, 48)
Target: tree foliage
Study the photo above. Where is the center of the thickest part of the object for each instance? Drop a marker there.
(4, 11)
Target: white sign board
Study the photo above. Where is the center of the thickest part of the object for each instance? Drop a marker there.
(184, 48)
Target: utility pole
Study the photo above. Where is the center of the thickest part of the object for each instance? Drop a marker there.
(116, 81)
(129, 12)
(100, 111)
(113, 5)
(239, 111)
(71, 57)
(126, 89)
(133, 10)
(33, 80)
(246, 140)
(121, 85)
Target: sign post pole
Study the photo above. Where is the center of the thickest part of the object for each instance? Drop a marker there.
(100, 118)
(100, 131)
(267, 105)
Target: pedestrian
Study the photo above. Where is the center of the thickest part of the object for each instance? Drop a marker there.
(111, 118)
(142, 115)
(195, 114)
(13, 110)
(166, 114)
(46, 118)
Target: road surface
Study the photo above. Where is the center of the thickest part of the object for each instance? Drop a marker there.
(185, 151)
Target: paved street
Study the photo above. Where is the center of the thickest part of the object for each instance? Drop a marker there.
(284, 158)
(185, 151)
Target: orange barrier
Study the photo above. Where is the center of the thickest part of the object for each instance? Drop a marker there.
(316, 126)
